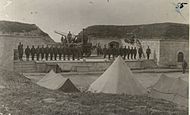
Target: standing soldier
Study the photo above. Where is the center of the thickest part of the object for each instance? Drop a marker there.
(68, 52)
(73, 48)
(128, 52)
(20, 50)
(60, 51)
(33, 51)
(46, 52)
(121, 51)
(184, 66)
(27, 53)
(140, 51)
(55, 52)
(105, 51)
(124, 52)
(148, 52)
(114, 52)
(109, 52)
(37, 53)
(132, 52)
(51, 52)
(42, 51)
(135, 52)
(64, 52)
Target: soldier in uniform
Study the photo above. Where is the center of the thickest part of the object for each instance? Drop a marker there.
(73, 51)
(114, 51)
(109, 52)
(20, 50)
(135, 52)
(132, 52)
(51, 52)
(68, 52)
(121, 51)
(60, 52)
(140, 51)
(33, 51)
(64, 52)
(27, 53)
(184, 66)
(69, 37)
(105, 51)
(42, 51)
(128, 52)
(46, 51)
(55, 52)
(148, 52)
(37, 53)
(124, 52)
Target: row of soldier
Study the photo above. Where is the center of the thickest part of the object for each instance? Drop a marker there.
(125, 52)
(52, 52)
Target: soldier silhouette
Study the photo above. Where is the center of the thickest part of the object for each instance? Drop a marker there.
(46, 51)
(37, 53)
(20, 50)
(33, 51)
(27, 53)
(148, 52)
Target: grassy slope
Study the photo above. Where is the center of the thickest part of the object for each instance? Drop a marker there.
(17, 27)
(161, 30)
(22, 97)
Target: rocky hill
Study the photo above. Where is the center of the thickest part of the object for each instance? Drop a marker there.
(146, 31)
(17, 28)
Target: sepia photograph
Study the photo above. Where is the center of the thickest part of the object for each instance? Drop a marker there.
(94, 57)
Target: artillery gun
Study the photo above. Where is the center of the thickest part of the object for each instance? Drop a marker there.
(71, 39)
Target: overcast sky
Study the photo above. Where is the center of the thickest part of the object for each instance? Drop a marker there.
(73, 15)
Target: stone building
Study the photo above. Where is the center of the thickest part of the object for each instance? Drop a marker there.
(169, 42)
(168, 52)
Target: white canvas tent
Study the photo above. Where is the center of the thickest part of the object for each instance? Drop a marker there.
(55, 81)
(172, 89)
(117, 79)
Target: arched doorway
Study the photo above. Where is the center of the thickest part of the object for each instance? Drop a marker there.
(180, 57)
(114, 44)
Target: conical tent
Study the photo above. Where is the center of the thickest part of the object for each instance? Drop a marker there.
(55, 81)
(117, 79)
(172, 89)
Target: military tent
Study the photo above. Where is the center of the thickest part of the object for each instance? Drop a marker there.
(55, 81)
(172, 89)
(117, 79)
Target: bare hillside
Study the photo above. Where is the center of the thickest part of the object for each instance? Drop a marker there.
(146, 31)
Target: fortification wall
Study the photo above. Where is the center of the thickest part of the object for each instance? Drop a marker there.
(169, 51)
(8, 43)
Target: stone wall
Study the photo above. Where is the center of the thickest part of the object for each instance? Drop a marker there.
(8, 43)
(154, 46)
(103, 41)
(170, 49)
(75, 66)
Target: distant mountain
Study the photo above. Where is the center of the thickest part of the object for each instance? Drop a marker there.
(9, 27)
(146, 31)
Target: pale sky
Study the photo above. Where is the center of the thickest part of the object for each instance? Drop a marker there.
(73, 15)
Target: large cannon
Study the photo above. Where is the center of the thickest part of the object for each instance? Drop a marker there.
(79, 40)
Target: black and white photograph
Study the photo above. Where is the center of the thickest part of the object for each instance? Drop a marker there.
(94, 57)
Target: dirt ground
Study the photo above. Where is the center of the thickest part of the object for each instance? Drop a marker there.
(23, 97)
